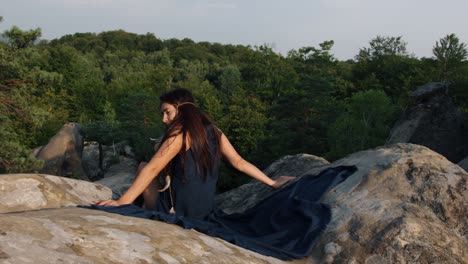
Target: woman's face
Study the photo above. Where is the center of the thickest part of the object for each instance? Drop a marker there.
(169, 112)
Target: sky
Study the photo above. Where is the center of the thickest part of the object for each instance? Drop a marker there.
(282, 24)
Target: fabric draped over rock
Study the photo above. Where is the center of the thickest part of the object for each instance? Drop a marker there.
(285, 225)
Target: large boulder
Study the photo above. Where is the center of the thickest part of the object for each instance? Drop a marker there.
(119, 167)
(62, 154)
(432, 120)
(405, 204)
(120, 176)
(22, 192)
(111, 154)
(92, 159)
(76, 235)
(464, 163)
(101, 161)
(246, 196)
(113, 165)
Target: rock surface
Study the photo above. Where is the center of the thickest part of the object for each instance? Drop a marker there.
(432, 120)
(111, 154)
(62, 154)
(22, 192)
(91, 160)
(464, 164)
(113, 166)
(76, 235)
(404, 204)
(246, 196)
(120, 176)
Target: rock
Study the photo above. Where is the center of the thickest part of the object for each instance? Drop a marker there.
(111, 154)
(125, 165)
(464, 163)
(432, 120)
(22, 192)
(35, 151)
(405, 204)
(246, 196)
(331, 250)
(91, 160)
(294, 165)
(120, 176)
(101, 161)
(112, 166)
(77, 235)
(62, 155)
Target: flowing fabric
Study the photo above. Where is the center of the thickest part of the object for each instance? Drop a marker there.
(285, 225)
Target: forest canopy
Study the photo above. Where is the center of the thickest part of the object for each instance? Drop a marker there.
(268, 104)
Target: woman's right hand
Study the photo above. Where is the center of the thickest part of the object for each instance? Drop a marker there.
(108, 202)
(282, 180)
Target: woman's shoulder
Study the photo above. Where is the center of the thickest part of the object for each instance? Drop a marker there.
(213, 128)
(213, 131)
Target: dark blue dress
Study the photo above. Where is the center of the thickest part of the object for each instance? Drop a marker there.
(192, 193)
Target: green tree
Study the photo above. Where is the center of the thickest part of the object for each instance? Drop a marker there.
(148, 43)
(32, 88)
(14, 155)
(119, 40)
(139, 119)
(83, 81)
(383, 46)
(300, 117)
(244, 124)
(20, 39)
(386, 65)
(229, 82)
(364, 124)
(452, 67)
(265, 73)
(84, 42)
(20, 119)
(245, 121)
(203, 90)
(449, 53)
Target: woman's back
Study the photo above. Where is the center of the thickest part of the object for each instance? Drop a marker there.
(192, 191)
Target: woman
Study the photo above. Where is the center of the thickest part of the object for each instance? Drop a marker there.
(189, 151)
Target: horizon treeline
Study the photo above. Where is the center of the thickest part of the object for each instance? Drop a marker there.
(269, 105)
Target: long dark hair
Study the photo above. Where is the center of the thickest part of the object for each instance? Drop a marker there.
(191, 121)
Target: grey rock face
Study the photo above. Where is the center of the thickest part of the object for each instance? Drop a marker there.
(464, 164)
(120, 176)
(91, 160)
(248, 195)
(432, 120)
(119, 168)
(405, 204)
(111, 154)
(62, 155)
(22, 192)
(76, 235)
(113, 166)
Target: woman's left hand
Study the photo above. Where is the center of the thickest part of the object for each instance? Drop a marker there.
(108, 203)
(282, 180)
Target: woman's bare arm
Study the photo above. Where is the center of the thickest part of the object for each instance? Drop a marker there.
(163, 156)
(246, 167)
